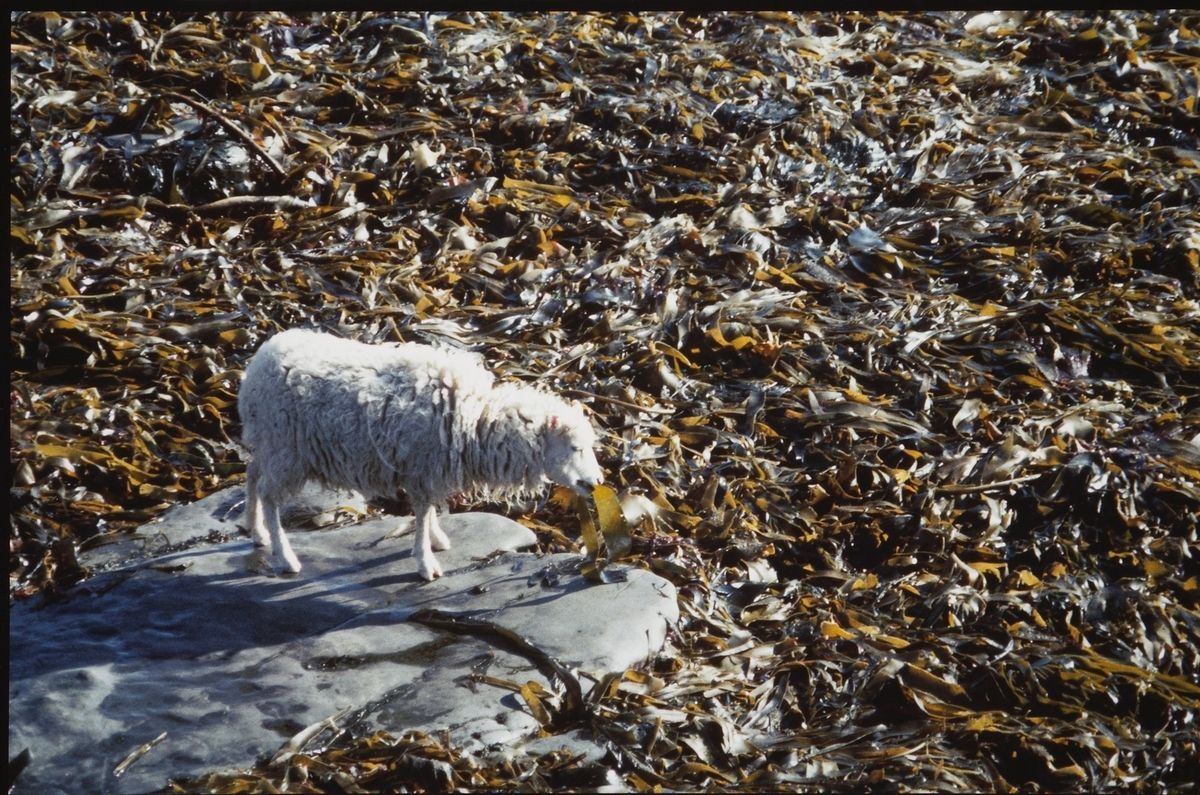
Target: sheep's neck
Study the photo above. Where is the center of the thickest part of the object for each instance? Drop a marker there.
(507, 459)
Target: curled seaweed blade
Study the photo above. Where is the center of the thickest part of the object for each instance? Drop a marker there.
(612, 522)
(592, 568)
(585, 509)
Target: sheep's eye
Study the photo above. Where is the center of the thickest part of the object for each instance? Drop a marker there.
(576, 449)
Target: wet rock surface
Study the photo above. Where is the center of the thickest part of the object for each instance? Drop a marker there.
(231, 662)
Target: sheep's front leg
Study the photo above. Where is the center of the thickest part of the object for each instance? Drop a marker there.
(425, 515)
(254, 508)
(437, 536)
(281, 549)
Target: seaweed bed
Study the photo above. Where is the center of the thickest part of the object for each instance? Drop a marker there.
(891, 321)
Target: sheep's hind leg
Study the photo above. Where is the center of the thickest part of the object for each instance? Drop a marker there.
(284, 556)
(425, 516)
(254, 508)
(437, 536)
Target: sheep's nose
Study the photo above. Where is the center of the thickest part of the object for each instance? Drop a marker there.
(586, 484)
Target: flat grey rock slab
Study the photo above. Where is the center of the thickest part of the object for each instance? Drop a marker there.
(190, 633)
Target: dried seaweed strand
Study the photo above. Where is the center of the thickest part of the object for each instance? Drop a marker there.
(980, 487)
(229, 125)
(220, 206)
(616, 401)
(136, 754)
(465, 625)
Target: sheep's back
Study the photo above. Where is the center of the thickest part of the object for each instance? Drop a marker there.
(376, 418)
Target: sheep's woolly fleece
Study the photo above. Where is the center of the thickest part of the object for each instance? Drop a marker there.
(381, 418)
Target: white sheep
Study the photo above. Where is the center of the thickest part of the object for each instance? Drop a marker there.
(381, 418)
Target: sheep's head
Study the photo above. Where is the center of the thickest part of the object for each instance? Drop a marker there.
(568, 442)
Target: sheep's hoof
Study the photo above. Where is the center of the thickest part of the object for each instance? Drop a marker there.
(429, 570)
(288, 564)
